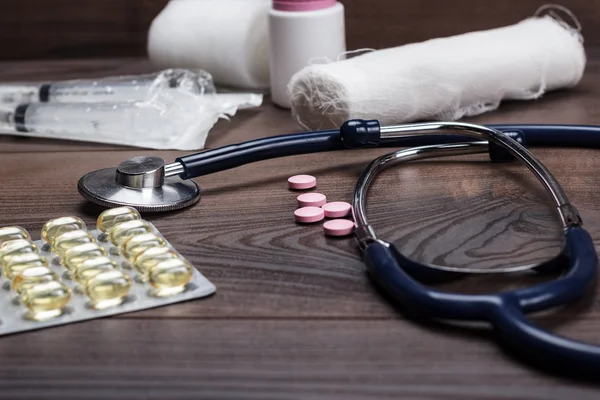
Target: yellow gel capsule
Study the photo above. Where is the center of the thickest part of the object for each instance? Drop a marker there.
(170, 276)
(46, 300)
(56, 227)
(125, 230)
(69, 240)
(78, 254)
(108, 289)
(9, 233)
(31, 277)
(110, 218)
(139, 243)
(16, 264)
(150, 257)
(16, 247)
(92, 267)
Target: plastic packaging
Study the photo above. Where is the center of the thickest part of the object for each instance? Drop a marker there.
(38, 290)
(117, 89)
(299, 32)
(174, 109)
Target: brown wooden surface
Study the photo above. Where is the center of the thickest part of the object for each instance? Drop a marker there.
(118, 28)
(294, 316)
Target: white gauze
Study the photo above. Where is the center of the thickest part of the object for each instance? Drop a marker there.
(228, 38)
(441, 79)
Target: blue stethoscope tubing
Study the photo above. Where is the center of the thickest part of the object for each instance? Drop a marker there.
(401, 278)
(360, 134)
(505, 311)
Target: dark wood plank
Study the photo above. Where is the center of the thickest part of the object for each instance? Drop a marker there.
(268, 360)
(36, 29)
(46, 69)
(242, 234)
(387, 23)
(21, 144)
(294, 315)
(72, 28)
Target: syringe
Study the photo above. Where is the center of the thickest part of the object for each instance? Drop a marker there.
(112, 89)
(171, 119)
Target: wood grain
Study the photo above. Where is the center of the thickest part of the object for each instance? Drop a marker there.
(36, 29)
(242, 236)
(41, 29)
(266, 360)
(295, 316)
(387, 23)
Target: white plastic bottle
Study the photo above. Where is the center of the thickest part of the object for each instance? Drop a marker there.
(300, 31)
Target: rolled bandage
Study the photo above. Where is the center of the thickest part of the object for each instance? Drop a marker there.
(441, 79)
(228, 38)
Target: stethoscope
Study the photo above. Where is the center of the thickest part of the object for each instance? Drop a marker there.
(149, 184)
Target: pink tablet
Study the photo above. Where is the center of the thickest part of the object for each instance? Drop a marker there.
(311, 200)
(338, 227)
(336, 209)
(300, 182)
(309, 214)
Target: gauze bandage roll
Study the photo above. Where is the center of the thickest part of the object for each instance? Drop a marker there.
(227, 38)
(441, 79)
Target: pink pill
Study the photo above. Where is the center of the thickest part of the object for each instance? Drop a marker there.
(311, 200)
(309, 214)
(299, 182)
(336, 209)
(338, 227)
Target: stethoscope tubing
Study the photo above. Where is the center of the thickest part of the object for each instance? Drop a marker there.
(506, 311)
(232, 156)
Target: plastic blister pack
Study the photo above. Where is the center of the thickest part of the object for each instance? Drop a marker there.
(171, 109)
(73, 274)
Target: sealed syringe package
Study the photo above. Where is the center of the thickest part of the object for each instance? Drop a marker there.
(73, 274)
(170, 109)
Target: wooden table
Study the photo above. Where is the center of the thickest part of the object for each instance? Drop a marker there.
(295, 316)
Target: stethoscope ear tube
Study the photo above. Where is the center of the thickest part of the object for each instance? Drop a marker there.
(361, 134)
(386, 269)
(520, 333)
(401, 279)
(505, 310)
(353, 134)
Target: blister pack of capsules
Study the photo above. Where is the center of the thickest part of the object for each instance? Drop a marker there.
(74, 274)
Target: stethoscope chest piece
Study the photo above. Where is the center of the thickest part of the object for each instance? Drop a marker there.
(139, 182)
